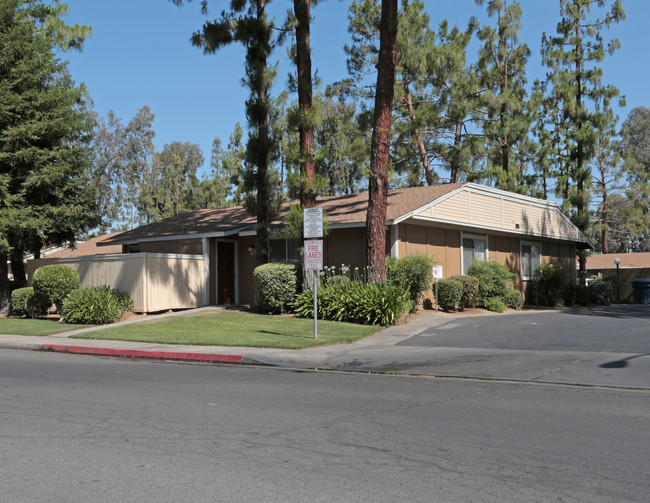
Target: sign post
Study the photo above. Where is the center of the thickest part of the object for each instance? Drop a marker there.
(437, 274)
(313, 228)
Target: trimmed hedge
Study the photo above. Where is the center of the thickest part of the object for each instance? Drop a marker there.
(95, 305)
(601, 292)
(470, 290)
(276, 286)
(413, 273)
(552, 283)
(55, 282)
(494, 280)
(24, 303)
(450, 292)
(495, 304)
(513, 299)
(356, 302)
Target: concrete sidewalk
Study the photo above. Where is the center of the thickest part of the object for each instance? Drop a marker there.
(316, 357)
(381, 353)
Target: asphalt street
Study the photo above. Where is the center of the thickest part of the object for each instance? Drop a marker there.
(87, 429)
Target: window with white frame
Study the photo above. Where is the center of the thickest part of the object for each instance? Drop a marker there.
(474, 248)
(531, 257)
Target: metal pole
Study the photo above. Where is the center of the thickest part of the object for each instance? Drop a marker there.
(436, 294)
(618, 284)
(315, 304)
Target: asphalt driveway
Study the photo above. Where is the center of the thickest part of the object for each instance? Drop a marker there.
(617, 329)
(598, 346)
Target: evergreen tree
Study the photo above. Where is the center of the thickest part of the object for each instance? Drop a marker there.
(582, 98)
(47, 194)
(635, 148)
(306, 115)
(380, 146)
(248, 24)
(502, 67)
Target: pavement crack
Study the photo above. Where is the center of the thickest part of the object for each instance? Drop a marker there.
(559, 369)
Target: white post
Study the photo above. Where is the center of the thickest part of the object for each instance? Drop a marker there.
(315, 304)
(436, 294)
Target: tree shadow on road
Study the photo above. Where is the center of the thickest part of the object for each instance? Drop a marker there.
(620, 364)
(622, 311)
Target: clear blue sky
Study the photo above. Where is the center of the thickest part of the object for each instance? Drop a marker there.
(139, 54)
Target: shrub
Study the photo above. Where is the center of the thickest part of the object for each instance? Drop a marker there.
(412, 273)
(601, 292)
(276, 286)
(551, 281)
(450, 292)
(470, 290)
(25, 303)
(581, 294)
(495, 304)
(493, 280)
(513, 299)
(356, 302)
(55, 282)
(94, 305)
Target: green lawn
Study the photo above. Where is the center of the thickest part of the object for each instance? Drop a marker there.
(24, 326)
(235, 328)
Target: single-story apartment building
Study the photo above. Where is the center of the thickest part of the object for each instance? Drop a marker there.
(631, 266)
(206, 257)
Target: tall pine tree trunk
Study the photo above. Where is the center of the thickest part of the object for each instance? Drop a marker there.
(380, 146)
(306, 127)
(258, 52)
(422, 150)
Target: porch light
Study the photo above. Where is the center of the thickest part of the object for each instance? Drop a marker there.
(251, 249)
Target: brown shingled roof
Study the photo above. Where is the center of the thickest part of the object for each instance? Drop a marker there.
(341, 210)
(628, 261)
(89, 247)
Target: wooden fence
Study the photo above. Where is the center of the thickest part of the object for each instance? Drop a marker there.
(155, 281)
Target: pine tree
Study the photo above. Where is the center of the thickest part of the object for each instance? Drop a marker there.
(502, 68)
(380, 146)
(248, 24)
(45, 162)
(571, 57)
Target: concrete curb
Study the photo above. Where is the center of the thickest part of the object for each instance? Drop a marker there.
(153, 355)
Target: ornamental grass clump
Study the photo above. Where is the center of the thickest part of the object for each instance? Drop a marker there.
(95, 305)
(54, 283)
(356, 302)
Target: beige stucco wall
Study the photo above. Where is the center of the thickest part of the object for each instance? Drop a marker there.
(156, 282)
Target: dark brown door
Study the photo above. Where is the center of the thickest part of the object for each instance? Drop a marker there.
(225, 272)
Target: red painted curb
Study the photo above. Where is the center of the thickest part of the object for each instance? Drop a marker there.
(138, 353)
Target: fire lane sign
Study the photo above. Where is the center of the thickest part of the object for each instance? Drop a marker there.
(314, 255)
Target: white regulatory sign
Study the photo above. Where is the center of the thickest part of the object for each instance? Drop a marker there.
(314, 255)
(437, 272)
(313, 222)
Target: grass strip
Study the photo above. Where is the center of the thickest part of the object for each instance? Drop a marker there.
(235, 328)
(27, 326)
